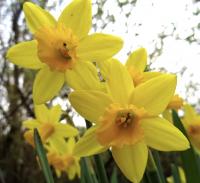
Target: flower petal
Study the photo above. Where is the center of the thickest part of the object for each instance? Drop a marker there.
(150, 75)
(83, 76)
(36, 17)
(31, 124)
(162, 135)
(97, 47)
(78, 16)
(90, 104)
(46, 85)
(88, 144)
(65, 130)
(55, 113)
(190, 116)
(104, 67)
(25, 55)
(132, 160)
(137, 59)
(119, 82)
(41, 113)
(154, 95)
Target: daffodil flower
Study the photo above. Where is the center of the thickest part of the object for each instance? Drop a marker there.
(48, 125)
(62, 48)
(135, 64)
(191, 122)
(127, 120)
(63, 160)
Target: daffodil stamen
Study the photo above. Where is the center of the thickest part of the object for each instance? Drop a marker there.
(57, 47)
(124, 119)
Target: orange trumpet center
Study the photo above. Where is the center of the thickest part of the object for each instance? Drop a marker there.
(57, 47)
(121, 126)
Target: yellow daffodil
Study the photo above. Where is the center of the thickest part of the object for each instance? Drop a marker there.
(175, 103)
(62, 48)
(181, 174)
(135, 64)
(48, 125)
(63, 160)
(127, 120)
(191, 122)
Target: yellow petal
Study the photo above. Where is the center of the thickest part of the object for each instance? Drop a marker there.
(137, 59)
(31, 124)
(155, 94)
(88, 144)
(119, 82)
(70, 145)
(78, 17)
(36, 17)
(57, 143)
(104, 67)
(25, 55)
(150, 75)
(41, 113)
(46, 85)
(55, 113)
(65, 130)
(132, 160)
(162, 135)
(83, 76)
(97, 47)
(190, 115)
(90, 104)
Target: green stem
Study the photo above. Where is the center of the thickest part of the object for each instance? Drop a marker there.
(152, 170)
(100, 169)
(42, 157)
(175, 174)
(159, 166)
(85, 171)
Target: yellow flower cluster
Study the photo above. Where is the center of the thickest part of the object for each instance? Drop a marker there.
(124, 107)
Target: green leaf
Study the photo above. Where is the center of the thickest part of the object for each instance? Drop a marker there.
(152, 170)
(101, 172)
(159, 166)
(85, 172)
(114, 176)
(188, 157)
(175, 174)
(42, 157)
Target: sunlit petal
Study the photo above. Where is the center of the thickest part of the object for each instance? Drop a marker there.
(78, 17)
(119, 82)
(25, 55)
(36, 17)
(88, 144)
(132, 160)
(154, 95)
(137, 59)
(83, 76)
(90, 104)
(162, 135)
(97, 47)
(46, 85)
